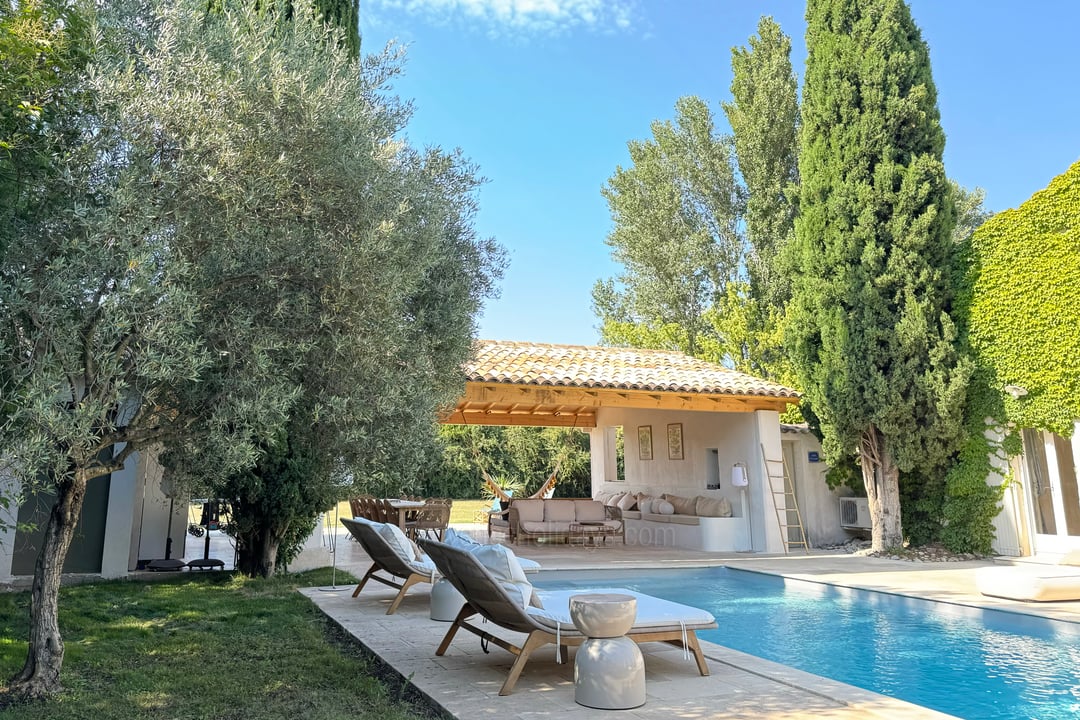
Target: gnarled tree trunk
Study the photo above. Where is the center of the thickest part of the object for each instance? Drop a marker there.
(881, 477)
(40, 675)
(256, 552)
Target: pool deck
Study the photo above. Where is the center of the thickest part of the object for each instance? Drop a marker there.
(465, 681)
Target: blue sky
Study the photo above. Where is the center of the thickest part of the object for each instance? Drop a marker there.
(543, 96)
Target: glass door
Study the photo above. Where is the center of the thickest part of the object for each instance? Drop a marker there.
(1053, 489)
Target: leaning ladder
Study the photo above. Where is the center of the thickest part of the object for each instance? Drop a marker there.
(776, 471)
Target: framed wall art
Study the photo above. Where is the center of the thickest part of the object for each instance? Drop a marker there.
(674, 441)
(644, 442)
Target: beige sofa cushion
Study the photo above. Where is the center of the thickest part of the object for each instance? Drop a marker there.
(529, 510)
(546, 528)
(589, 511)
(559, 511)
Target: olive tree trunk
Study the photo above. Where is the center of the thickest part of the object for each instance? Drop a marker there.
(40, 675)
(881, 477)
(256, 552)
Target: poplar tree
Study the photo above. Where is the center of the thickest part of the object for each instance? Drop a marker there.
(869, 324)
(764, 117)
(675, 214)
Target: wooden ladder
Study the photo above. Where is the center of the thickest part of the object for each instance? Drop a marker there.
(776, 471)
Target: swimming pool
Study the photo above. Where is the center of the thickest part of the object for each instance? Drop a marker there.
(969, 662)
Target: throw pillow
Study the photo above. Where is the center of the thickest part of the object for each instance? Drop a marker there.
(663, 507)
(613, 501)
(682, 505)
(503, 565)
(405, 548)
(628, 502)
(713, 507)
(453, 538)
(645, 504)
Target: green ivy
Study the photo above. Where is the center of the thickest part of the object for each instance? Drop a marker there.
(970, 505)
(1023, 284)
(1019, 304)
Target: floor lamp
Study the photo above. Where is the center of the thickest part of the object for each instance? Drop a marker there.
(740, 480)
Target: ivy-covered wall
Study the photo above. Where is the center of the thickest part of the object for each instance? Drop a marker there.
(1024, 311)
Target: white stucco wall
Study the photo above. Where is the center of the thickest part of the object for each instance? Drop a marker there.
(712, 444)
(9, 489)
(819, 505)
(149, 521)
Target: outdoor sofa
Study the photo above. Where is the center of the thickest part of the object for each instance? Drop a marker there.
(552, 518)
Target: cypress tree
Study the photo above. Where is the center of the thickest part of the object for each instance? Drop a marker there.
(869, 326)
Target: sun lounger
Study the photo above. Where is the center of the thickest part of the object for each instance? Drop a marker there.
(1033, 582)
(392, 555)
(507, 599)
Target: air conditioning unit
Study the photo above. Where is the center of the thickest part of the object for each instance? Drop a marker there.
(855, 513)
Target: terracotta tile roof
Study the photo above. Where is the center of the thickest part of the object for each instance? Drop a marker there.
(585, 366)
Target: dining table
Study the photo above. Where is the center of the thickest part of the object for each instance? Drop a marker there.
(403, 507)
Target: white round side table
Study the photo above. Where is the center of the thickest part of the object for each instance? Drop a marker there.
(609, 671)
(446, 601)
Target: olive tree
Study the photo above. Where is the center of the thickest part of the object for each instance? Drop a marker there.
(235, 215)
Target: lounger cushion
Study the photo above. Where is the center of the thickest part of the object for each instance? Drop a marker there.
(1046, 583)
(653, 613)
(589, 511)
(504, 566)
(463, 542)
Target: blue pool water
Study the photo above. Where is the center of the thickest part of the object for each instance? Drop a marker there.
(968, 662)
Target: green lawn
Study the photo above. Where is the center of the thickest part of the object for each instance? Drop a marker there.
(469, 511)
(463, 511)
(203, 645)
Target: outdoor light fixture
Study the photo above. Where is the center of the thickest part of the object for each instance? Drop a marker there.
(1016, 391)
(740, 479)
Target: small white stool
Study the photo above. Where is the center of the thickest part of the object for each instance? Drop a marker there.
(446, 601)
(609, 671)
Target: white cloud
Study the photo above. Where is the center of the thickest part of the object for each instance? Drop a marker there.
(519, 16)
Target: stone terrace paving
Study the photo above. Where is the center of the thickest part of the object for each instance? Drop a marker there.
(465, 682)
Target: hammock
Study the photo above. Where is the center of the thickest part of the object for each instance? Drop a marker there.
(546, 490)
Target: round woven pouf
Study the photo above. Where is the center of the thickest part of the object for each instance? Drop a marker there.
(609, 672)
(446, 601)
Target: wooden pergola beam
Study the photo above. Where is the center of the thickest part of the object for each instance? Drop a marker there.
(538, 406)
